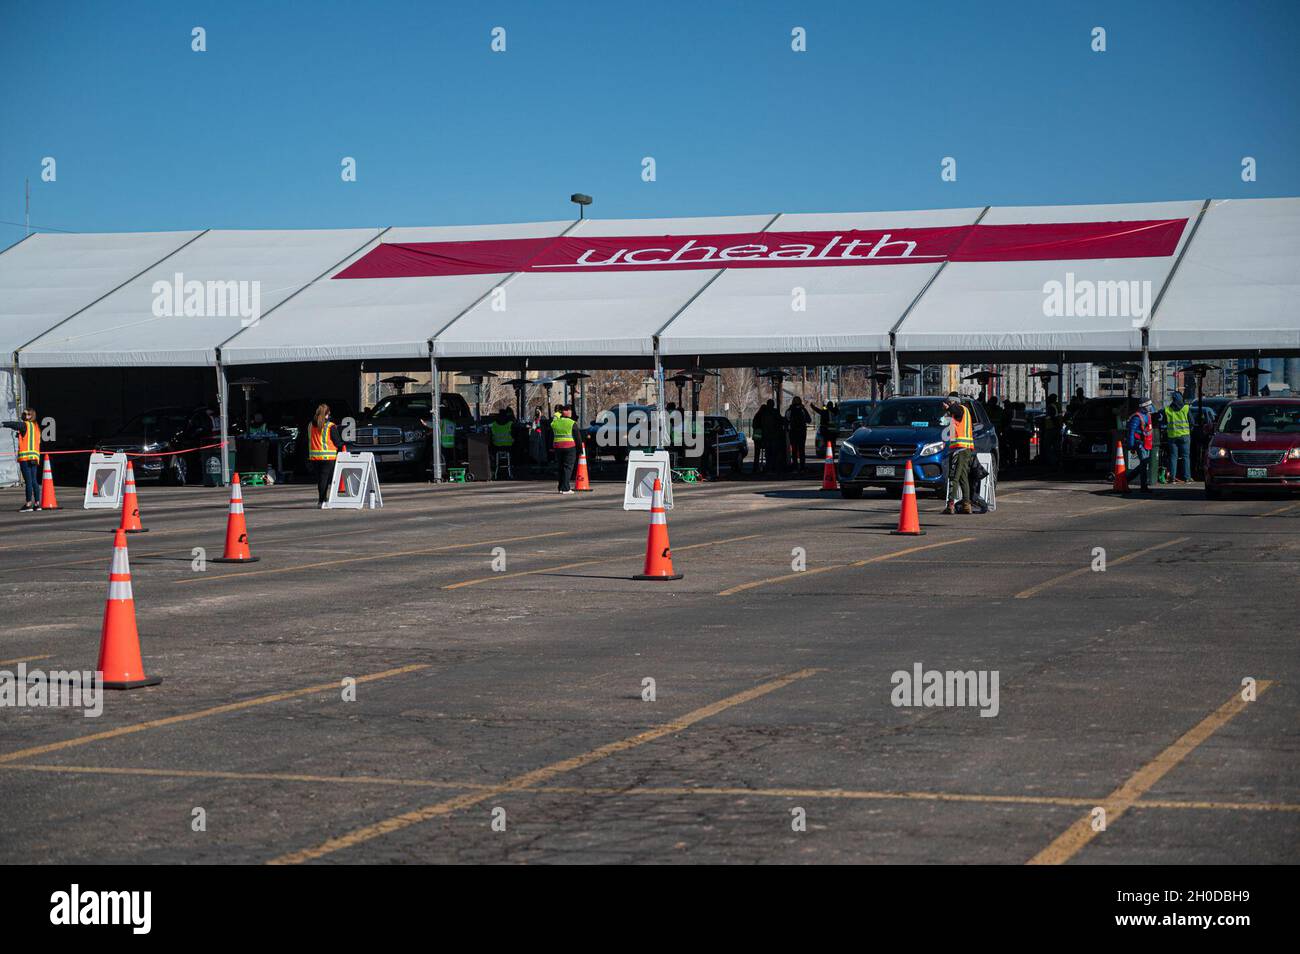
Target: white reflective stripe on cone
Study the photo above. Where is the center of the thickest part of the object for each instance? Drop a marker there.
(119, 590)
(657, 516)
(121, 565)
(235, 493)
(236, 507)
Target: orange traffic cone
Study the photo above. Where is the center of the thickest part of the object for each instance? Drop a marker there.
(48, 500)
(1120, 485)
(909, 521)
(130, 505)
(119, 642)
(237, 549)
(582, 482)
(658, 556)
(829, 481)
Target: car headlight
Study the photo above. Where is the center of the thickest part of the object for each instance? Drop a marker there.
(1218, 453)
(410, 436)
(1293, 453)
(847, 448)
(152, 448)
(929, 449)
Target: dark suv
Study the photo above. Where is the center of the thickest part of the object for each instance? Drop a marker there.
(902, 429)
(393, 431)
(1088, 442)
(164, 431)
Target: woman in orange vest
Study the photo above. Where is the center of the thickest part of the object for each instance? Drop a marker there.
(29, 457)
(322, 449)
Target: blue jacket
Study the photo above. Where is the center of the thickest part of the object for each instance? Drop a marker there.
(1136, 424)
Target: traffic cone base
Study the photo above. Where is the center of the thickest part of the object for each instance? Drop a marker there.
(658, 554)
(120, 665)
(134, 683)
(909, 521)
(237, 549)
(48, 499)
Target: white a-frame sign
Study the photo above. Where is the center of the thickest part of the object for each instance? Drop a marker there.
(355, 484)
(104, 481)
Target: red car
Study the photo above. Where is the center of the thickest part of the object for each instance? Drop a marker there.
(1255, 445)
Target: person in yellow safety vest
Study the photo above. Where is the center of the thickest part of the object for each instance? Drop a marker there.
(502, 431)
(29, 458)
(323, 450)
(961, 451)
(565, 441)
(1178, 433)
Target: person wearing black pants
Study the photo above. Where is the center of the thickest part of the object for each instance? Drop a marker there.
(566, 447)
(322, 449)
(324, 474)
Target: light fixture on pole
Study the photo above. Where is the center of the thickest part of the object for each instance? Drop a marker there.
(581, 200)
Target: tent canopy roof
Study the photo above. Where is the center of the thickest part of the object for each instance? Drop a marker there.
(954, 284)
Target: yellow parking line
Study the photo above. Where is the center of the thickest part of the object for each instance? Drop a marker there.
(1089, 513)
(1074, 838)
(539, 775)
(244, 776)
(572, 566)
(202, 578)
(200, 714)
(510, 576)
(1274, 513)
(839, 566)
(832, 794)
(21, 659)
(1046, 584)
(1218, 806)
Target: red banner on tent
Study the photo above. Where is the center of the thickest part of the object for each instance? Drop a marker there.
(1064, 241)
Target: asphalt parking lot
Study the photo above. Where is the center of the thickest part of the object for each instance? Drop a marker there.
(517, 695)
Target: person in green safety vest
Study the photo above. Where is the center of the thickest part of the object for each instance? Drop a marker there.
(1178, 432)
(565, 440)
(502, 431)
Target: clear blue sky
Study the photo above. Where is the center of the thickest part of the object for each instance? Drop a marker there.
(150, 135)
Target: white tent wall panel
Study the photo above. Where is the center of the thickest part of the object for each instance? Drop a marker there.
(848, 308)
(375, 318)
(598, 314)
(47, 277)
(8, 439)
(123, 330)
(999, 306)
(1238, 284)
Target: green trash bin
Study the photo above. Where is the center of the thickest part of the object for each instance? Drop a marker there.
(212, 465)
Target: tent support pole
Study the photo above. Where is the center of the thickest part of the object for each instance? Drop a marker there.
(893, 365)
(1146, 367)
(435, 388)
(20, 387)
(660, 413)
(223, 400)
